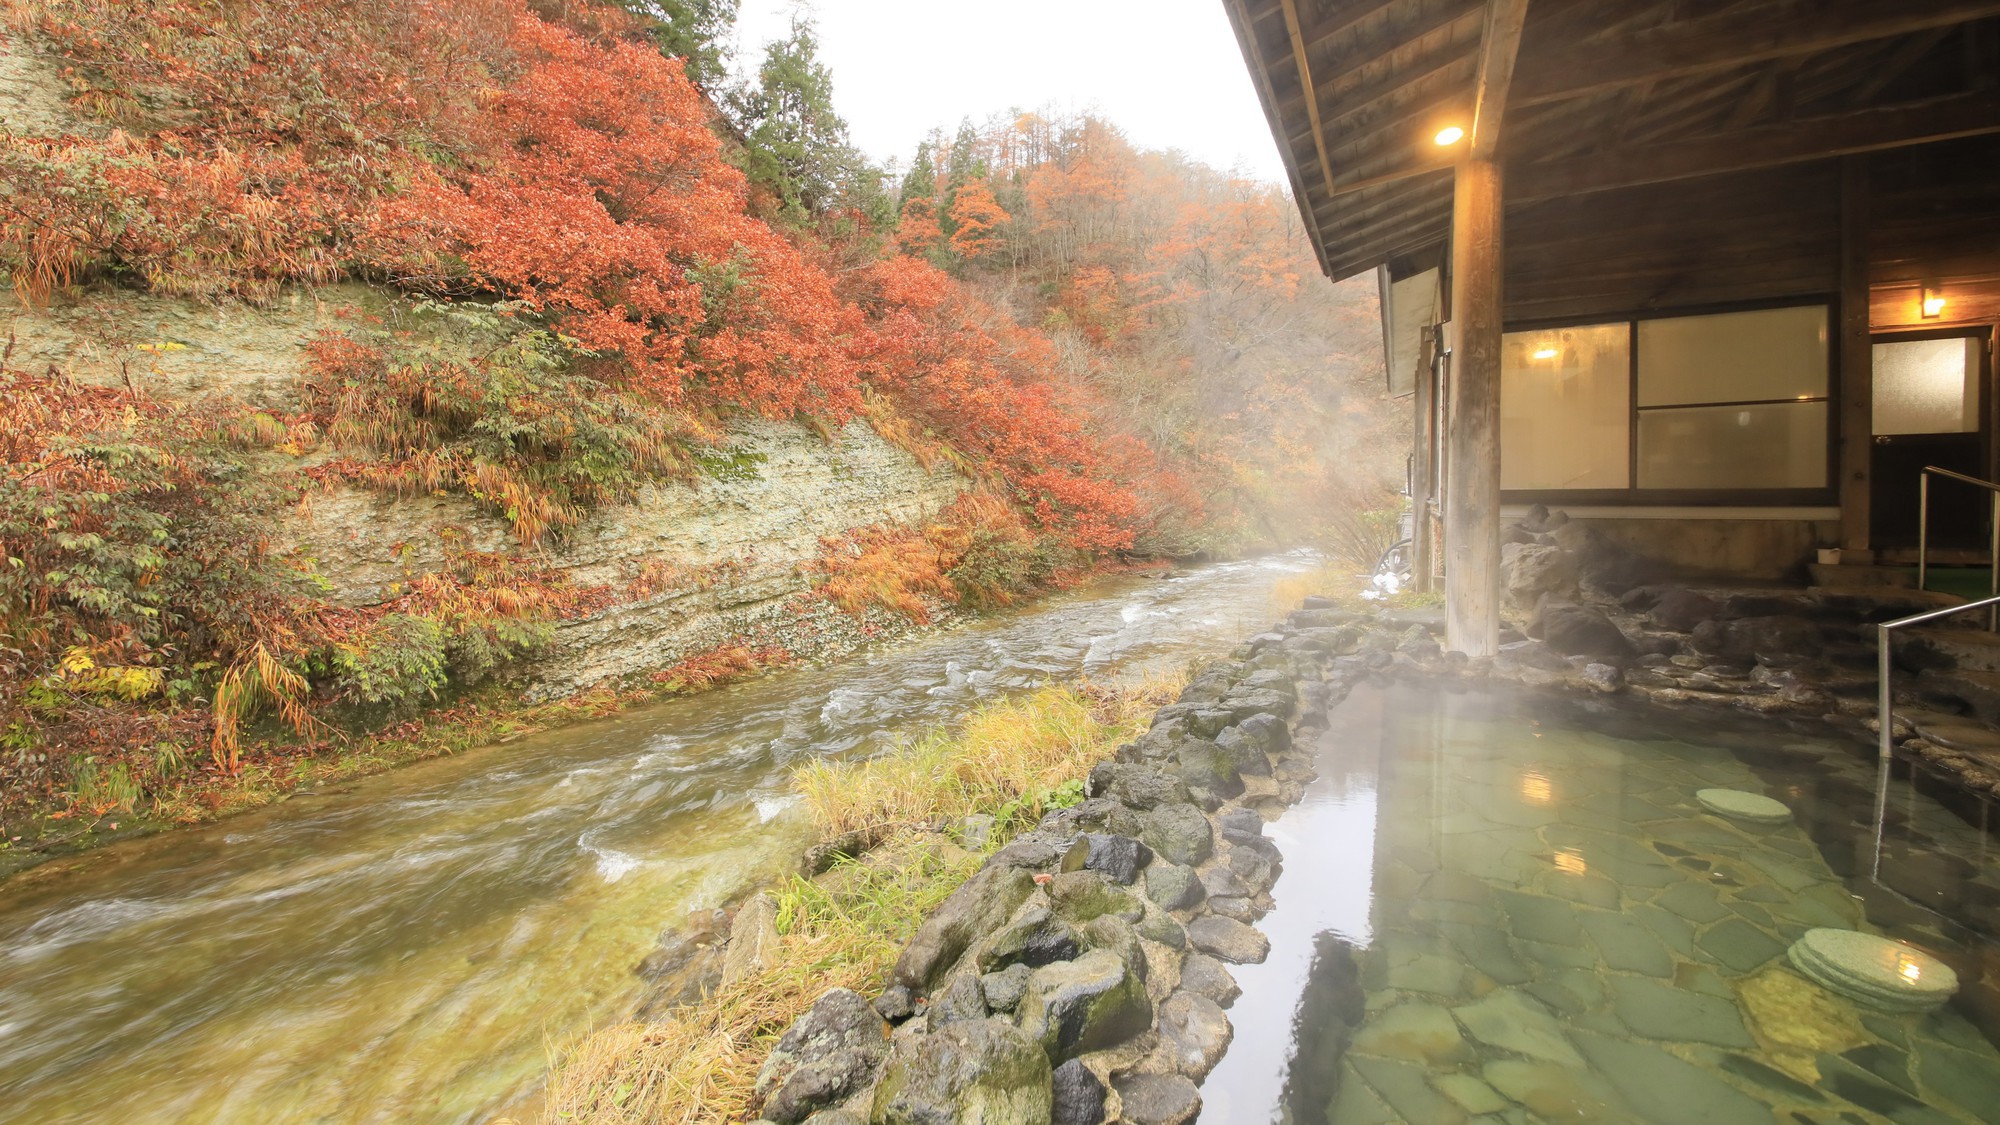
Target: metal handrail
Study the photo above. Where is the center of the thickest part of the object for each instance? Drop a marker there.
(1924, 527)
(1885, 700)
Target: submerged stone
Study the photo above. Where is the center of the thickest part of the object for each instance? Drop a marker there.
(1874, 970)
(1413, 1031)
(1513, 1021)
(1738, 805)
(1662, 1011)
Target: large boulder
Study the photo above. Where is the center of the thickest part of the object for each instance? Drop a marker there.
(1172, 885)
(1178, 834)
(984, 1071)
(1533, 571)
(1093, 1002)
(1196, 1032)
(1205, 765)
(1082, 896)
(1139, 786)
(1119, 858)
(1681, 610)
(1768, 640)
(1581, 630)
(829, 1054)
(1033, 937)
(981, 906)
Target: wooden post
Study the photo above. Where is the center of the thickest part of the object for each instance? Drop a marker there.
(1857, 354)
(1423, 432)
(1472, 488)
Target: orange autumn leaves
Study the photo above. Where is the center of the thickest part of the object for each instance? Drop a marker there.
(547, 155)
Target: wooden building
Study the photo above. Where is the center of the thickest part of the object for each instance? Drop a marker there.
(1719, 275)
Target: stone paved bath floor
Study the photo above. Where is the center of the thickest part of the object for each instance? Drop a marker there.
(1511, 908)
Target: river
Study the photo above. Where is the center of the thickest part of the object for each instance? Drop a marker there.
(411, 947)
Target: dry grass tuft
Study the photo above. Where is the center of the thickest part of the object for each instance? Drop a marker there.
(845, 929)
(1009, 756)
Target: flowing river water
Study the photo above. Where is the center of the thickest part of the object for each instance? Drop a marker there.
(410, 948)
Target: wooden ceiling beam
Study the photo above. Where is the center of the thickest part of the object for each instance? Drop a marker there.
(1962, 115)
(1304, 67)
(1368, 97)
(1363, 52)
(1246, 41)
(1499, 45)
(1729, 39)
(1349, 16)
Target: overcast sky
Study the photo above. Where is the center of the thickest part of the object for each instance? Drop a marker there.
(1166, 72)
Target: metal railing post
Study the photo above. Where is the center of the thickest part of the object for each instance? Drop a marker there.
(1885, 706)
(1885, 698)
(1923, 528)
(1993, 569)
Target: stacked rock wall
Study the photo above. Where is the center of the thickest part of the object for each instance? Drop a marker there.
(1081, 975)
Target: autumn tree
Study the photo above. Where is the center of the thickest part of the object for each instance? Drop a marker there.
(977, 223)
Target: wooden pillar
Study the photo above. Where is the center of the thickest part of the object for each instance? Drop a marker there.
(1472, 490)
(1857, 352)
(1423, 431)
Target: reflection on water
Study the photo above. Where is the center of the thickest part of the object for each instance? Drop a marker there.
(405, 950)
(1508, 905)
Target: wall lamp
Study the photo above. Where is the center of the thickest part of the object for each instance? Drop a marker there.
(1449, 135)
(1932, 300)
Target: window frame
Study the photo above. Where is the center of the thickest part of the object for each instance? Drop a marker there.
(1634, 496)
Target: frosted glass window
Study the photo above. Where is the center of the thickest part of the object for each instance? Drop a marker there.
(1763, 355)
(1776, 446)
(1565, 408)
(1927, 386)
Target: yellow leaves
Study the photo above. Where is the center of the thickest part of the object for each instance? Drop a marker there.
(78, 673)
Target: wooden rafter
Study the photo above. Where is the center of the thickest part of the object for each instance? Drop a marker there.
(1963, 115)
(1246, 41)
(1304, 65)
(1735, 38)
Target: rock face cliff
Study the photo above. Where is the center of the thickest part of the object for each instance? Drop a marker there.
(693, 565)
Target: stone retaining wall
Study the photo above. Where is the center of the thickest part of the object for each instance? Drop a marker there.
(1081, 975)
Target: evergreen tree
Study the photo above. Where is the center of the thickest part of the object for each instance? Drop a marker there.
(921, 180)
(798, 146)
(694, 31)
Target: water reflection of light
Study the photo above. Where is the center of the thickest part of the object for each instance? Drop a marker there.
(1571, 861)
(1536, 787)
(1911, 971)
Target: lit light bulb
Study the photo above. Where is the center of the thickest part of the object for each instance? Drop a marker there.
(1449, 135)
(1933, 306)
(1545, 353)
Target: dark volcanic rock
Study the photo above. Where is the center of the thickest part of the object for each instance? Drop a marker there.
(1204, 765)
(1681, 610)
(830, 1053)
(1118, 857)
(1042, 850)
(976, 909)
(1079, 1096)
(1770, 640)
(1579, 630)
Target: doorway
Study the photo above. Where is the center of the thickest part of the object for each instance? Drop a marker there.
(1930, 408)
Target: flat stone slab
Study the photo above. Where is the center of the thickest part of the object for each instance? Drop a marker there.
(1739, 805)
(1874, 970)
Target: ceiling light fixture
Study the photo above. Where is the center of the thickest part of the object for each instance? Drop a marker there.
(1449, 135)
